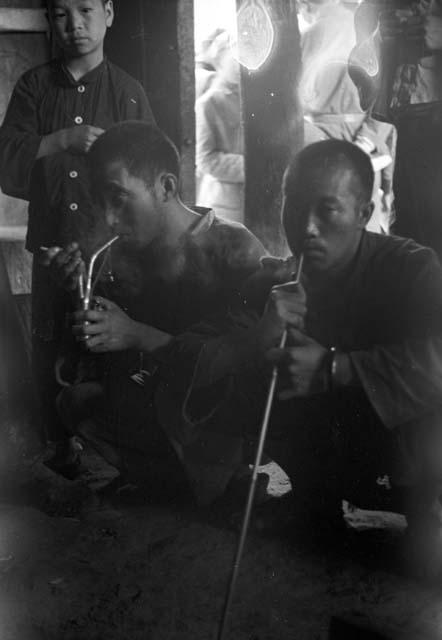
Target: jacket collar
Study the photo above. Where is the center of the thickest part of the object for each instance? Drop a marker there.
(65, 78)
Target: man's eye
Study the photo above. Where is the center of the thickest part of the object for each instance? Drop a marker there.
(117, 199)
(59, 14)
(86, 10)
(328, 210)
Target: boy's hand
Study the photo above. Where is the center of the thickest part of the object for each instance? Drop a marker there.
(106, 328)
(79, 139)
(65, 265)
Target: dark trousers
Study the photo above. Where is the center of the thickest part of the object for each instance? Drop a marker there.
(332, 448)
(49, 308)
(335, 448)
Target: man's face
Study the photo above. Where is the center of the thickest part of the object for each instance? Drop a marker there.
(132, 210)
(79, 26)
(327, 218)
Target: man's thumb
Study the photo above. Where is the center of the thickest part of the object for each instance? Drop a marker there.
(298, 338)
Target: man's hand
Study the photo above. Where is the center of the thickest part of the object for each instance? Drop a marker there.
(106, 328)
(65, 265)
(302, 365)
(280, 269)
(286, 307)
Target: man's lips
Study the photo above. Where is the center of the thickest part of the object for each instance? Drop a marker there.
(311, 248)
(123, 235)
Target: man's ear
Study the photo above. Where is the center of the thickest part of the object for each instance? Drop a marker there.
(365, 213)
(169, 186)
(109, 10)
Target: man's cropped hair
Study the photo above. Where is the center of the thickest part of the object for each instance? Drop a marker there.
(50, 3)
(326, 154)
(142, 148)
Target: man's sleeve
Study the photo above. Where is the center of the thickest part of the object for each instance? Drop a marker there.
(403, 381)
(200, 365)
(19, 140)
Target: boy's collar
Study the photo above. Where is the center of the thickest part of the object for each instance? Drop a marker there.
(66, 77)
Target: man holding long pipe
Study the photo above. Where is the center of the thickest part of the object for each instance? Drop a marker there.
(360, 391)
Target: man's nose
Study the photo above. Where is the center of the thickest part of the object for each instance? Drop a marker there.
(111, 217)
(312, 229)
(74, 21)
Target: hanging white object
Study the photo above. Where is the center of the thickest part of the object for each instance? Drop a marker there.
(365, 55)
(255, 35)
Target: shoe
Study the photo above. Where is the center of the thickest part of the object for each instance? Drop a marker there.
(69, 470)
(66, 461)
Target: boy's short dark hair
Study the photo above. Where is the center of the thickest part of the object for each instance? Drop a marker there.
(142, 147)
(327, 153)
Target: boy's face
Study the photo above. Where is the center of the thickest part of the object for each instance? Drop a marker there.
(79, 26)
(132, 209)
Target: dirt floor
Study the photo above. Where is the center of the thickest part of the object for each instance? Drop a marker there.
(73, 568)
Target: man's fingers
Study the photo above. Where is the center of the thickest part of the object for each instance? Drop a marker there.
(292, 319)
(71, 281)
(64, 257)
(104, 303)
(287, 394)
(288, 290)
(96, 344)
(100, 347)
(92, 315)
(88, 329)
(47, 254)
(71, 266)
(278, 356)
(298, 338)
(84, 329)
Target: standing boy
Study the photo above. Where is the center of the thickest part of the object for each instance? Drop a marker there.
(56, 112)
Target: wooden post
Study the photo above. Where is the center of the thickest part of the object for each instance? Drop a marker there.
(17, 401)
(272, 120)
(153, 40)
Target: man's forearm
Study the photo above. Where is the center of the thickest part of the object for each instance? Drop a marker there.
(402, 381)
(148, 339)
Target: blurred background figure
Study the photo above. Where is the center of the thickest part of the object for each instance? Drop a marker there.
(207, 62)
(219, 137)
(331, 102)
(407, 90)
